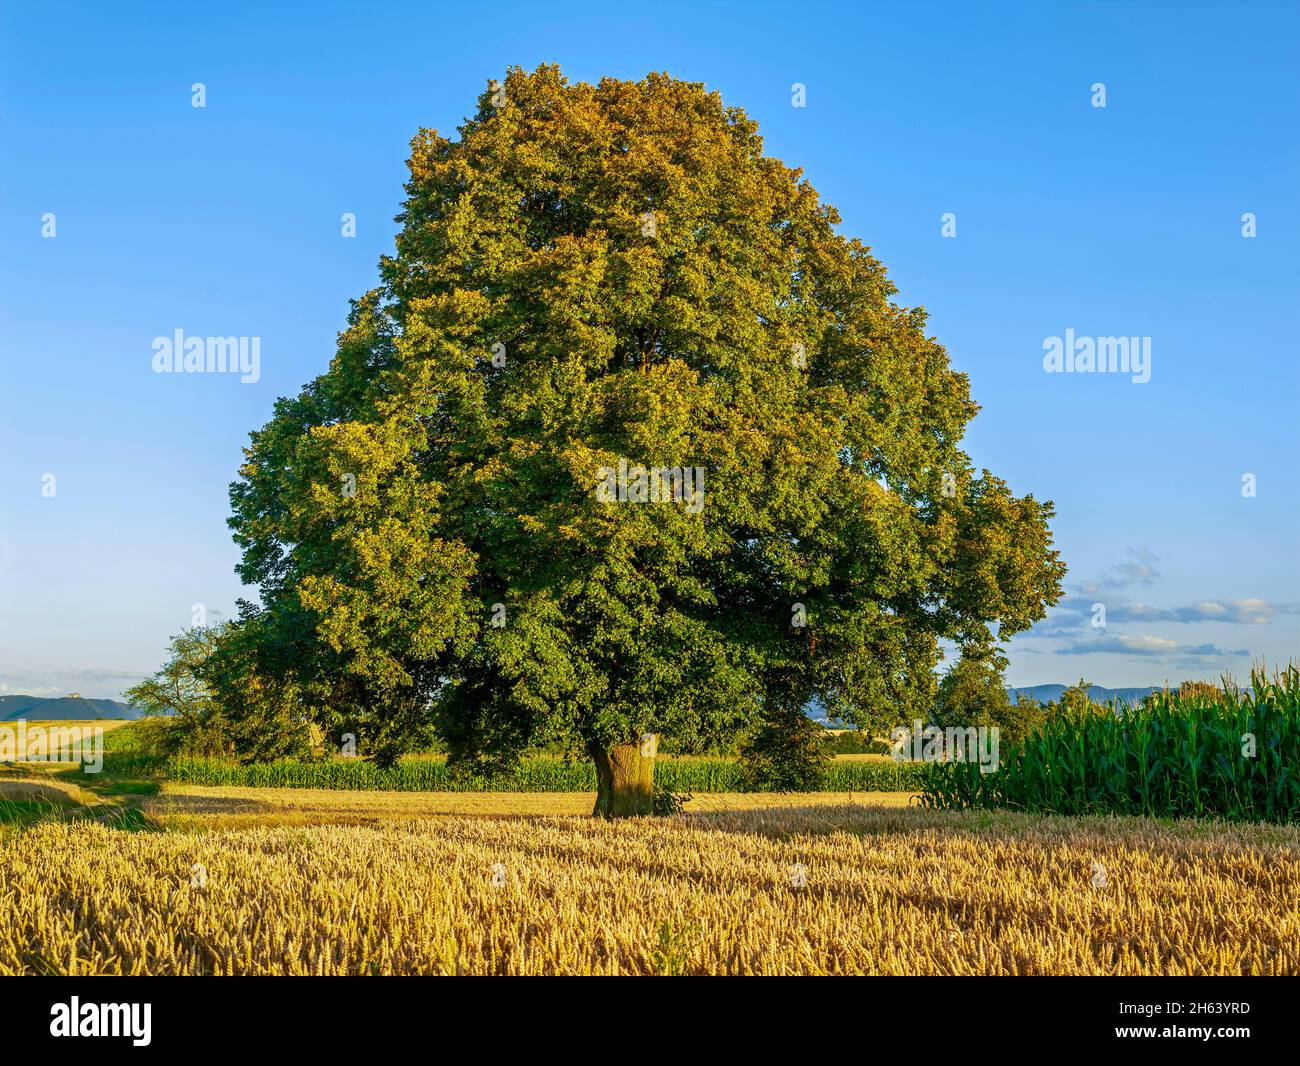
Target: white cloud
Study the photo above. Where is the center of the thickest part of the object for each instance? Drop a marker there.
(1138, 569)
(1147, 645)
(29, 690)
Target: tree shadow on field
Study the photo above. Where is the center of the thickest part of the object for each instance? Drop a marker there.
(187, 804)
(28, 802)
(341, 807)
(855, 819)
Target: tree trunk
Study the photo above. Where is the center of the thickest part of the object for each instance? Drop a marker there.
(625, 779)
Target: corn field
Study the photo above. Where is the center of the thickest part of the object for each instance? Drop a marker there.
(538, 774)
(822, 890)
(1234, 756)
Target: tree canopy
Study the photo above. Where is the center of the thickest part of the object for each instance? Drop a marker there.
(593, 279)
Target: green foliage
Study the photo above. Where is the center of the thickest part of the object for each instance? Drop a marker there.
(1233, 757)
(670, 956)
(30, 811)
(1075, 701)
(788, 752)
(856, 742)
(973, 693)
(591, 275)
(852, 776)
(1189, 691)
(667, 803)
(224, 690)
(1017, 720)
(136, 763)
(263, 699)
(182, 690)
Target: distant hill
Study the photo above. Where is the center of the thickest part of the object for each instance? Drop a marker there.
(61, 709)
(1098, 693)
(1042, 693)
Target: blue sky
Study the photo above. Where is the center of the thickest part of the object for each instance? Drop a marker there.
(1117, 221)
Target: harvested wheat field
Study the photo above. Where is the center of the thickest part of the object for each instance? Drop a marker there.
(822, 889)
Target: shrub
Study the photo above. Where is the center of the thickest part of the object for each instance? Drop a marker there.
(855, 742)
(667, 802)
(788, 752)
(181, 693)
(1198, 690)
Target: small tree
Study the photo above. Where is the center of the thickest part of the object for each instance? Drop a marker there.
(1077, 698)
(1199, 690)
(972, 692)
(181, 690)
(1019, 719)
(787, 752)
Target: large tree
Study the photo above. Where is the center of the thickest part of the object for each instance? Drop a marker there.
(591, 279)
